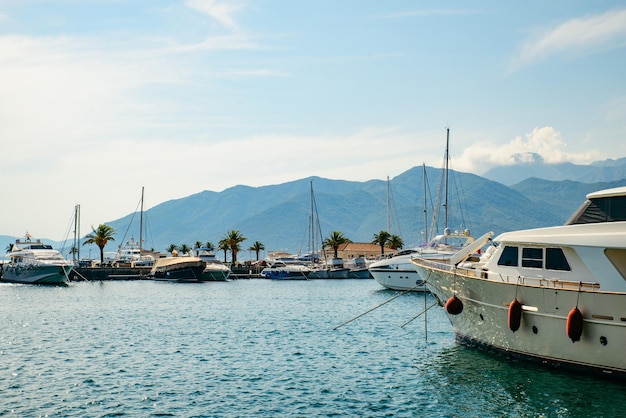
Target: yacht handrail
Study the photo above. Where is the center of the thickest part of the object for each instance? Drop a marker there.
(485, 275)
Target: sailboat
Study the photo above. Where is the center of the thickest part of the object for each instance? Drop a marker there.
(397, 272)
(132, 252)
(329, 269)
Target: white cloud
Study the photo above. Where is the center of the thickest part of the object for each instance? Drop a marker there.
(222, 11)
(545, 142)
(576, 35)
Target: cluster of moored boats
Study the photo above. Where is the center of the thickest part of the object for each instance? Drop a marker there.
(553, 295)
(293, 268)
(34, 262)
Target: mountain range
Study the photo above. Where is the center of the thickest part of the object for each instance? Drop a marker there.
(279, 216)
(532, 164)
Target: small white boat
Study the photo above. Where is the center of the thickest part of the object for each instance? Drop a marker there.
(333, 270)
(555, 295)
(285, 268)
(132, 253)
(34, 262)
(214, 270)
(358, 268)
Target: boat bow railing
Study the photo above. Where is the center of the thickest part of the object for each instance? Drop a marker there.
(475, 271)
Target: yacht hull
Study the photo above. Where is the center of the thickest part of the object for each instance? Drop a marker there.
(49, 275)
(542, 335)
(215, 275)
(398, 279)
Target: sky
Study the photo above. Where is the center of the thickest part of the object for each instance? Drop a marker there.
(99, 98)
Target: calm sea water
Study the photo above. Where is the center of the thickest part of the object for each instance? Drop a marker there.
(261, 348)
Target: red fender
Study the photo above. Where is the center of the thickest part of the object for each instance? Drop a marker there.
(574, 325)
(515, 315)
(454, 306)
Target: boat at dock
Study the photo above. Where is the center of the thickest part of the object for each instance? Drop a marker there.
(358, 268)
(285, 268)
(399, 273)
(178, 269)
(215, 270)
(334, 269)
(33, 262)
(553, 295)
(132, 253)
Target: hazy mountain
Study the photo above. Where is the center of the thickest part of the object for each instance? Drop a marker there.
(532, 165)
(279, 215)
(562, 197)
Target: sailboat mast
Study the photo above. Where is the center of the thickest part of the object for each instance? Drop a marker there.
(312, 225)
(388, 205)
(425, 207)
(445, 205)
(141, 225)
(76, 250)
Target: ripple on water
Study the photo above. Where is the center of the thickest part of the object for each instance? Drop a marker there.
(260, 348)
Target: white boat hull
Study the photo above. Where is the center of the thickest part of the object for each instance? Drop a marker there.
(542, 335)
(32, 274)
(398, 279)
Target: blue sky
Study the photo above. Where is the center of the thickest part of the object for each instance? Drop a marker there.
(101, 97)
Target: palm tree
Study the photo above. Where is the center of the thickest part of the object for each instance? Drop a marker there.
(100, 236)
(381, 239)
(395, 242)
(334, 241)
(184, 249)
(171, 248)
(209, 246)
(197, 245)
(233, 238)
(257, 247)
(222, 245)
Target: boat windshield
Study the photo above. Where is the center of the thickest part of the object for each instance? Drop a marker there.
(604, 209)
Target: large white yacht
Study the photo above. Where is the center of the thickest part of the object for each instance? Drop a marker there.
(553, 295)
(34, 262)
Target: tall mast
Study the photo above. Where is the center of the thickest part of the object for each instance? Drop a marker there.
(312, 225)
(388, 205)
(425, 207)
(447, 157)
(141, 225)
(76, 251)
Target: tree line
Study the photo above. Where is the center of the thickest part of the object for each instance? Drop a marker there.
(103, 234)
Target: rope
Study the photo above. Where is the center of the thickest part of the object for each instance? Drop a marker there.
(418, 315)
(78, 274)
(377, 306)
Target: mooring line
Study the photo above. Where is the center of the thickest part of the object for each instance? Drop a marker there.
(418, 315)
(378, 306)
(78, 274)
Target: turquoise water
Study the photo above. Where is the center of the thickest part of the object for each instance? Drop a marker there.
(261, 348)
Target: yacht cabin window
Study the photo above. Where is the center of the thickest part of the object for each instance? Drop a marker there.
(509, 256)
(555, 260)
(533, 257)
